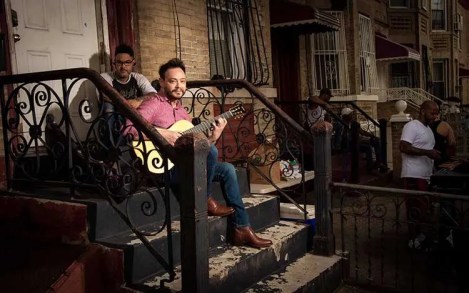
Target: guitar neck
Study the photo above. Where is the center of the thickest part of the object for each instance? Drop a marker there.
(206, 125)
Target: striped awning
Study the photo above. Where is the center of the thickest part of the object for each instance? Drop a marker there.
(387, 50)
(300, 18)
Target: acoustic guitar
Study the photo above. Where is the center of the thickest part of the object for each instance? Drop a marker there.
(146, 151)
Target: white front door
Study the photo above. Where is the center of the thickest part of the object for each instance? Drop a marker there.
(56, 34)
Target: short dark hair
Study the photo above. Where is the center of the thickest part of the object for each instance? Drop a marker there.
(173, 63)
(326, 91)
(124, 49)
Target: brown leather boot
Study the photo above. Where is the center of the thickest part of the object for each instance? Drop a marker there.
(246, 236)
(216, 209)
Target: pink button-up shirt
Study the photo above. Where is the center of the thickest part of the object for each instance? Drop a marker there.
(159, 112)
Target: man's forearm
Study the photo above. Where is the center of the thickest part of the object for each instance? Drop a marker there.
(408, 149)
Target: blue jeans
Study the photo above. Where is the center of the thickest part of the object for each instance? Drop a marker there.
(224, 173)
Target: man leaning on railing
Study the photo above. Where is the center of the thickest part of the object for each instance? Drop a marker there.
(317, 106)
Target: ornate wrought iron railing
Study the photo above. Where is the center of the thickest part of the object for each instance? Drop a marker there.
(57, 135)
(346, 138)
(402, 240)
(45, 147)
(264, 139)
(414, 97)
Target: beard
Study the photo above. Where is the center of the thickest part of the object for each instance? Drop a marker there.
(174, 94)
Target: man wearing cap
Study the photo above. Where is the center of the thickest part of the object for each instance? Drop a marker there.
(368, 142)
(317, 106)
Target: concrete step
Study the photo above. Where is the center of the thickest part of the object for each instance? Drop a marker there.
(145, 207)
(310, 273)
(233, 268)
(139, 263)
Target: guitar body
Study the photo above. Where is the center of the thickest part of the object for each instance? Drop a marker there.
(154, 161)
(146, 149)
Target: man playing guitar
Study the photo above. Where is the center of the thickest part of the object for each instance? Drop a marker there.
(165, 109)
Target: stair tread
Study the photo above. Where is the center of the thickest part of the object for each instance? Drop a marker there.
(294, 276)
(129, 238)
(227, 257)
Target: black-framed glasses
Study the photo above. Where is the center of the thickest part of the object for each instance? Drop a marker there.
(124, 63)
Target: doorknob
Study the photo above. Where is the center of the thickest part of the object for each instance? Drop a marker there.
(16, 37)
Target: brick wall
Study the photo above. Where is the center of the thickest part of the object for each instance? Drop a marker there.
(159, 25)
(157, 30)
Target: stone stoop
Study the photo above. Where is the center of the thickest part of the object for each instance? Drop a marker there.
(139, 263)
(117, 261)
(235, 268)
(310, 273)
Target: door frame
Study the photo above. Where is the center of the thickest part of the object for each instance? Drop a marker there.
(101, 28)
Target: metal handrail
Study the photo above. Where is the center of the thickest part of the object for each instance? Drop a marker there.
(119, 102)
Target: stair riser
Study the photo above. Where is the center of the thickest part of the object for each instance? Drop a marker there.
(262, 264)
(327, 282)
(139, 263)
(105, 222)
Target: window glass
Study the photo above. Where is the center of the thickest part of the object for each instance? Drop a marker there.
(438, 15)
(399, 3)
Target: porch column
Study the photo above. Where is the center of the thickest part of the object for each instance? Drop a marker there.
(192, 151)
(323, 241)
(397, 123)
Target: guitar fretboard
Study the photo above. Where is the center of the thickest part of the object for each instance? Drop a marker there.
(206, 125)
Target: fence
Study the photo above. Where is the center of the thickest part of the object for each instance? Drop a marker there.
(380, 231)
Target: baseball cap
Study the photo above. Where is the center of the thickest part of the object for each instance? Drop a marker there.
(346, 111)
(326, 91)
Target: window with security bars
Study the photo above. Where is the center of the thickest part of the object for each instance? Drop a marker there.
(438, 15)
(236, 44)
(440, 78)
(368, 71)
(329, 62)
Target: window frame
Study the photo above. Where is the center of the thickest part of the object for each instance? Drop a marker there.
(224, 24)
(368, 68)
(444, 14)
(444, 81)
(329, 59)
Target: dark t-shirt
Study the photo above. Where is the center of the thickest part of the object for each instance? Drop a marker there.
(441, 144)
(129, 90)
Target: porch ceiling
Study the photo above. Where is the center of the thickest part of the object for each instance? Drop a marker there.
(387, 50)
(300, 18)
